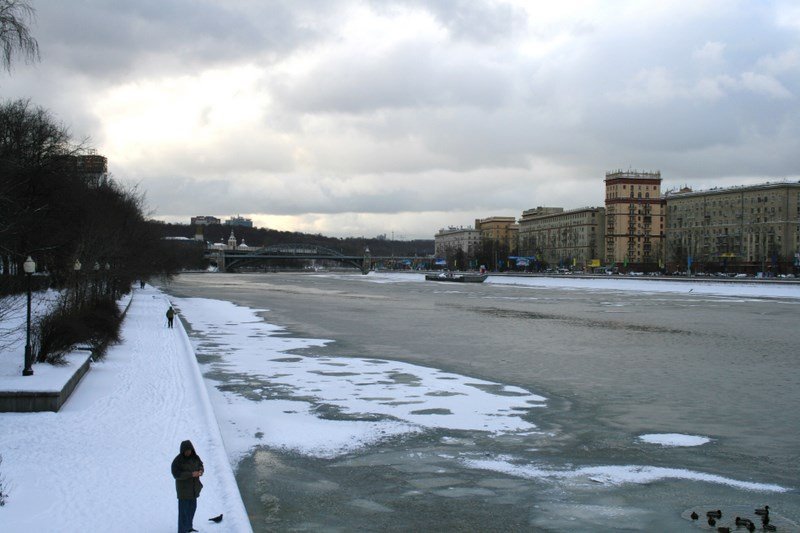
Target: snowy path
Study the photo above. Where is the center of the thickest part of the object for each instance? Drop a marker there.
(103, 462)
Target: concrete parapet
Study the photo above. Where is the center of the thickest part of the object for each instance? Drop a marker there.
(29, 401)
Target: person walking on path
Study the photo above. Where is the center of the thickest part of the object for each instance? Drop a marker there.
(170, 316)
(187, 469)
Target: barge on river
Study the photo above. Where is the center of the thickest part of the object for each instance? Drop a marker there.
(458, 278)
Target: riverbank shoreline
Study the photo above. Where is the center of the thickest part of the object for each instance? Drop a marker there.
(114, 438)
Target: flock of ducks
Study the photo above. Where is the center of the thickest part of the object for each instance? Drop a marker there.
(713, 516)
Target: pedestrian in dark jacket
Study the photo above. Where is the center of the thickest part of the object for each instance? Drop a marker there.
(187, 469)
(170, 316)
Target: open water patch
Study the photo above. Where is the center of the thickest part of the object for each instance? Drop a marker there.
(572, 321)
(432, 412)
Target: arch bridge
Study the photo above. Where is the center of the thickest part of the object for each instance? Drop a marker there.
(230, 260)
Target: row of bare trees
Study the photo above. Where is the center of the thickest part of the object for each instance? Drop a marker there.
(53, 211)
(60, 214)
(63, 213)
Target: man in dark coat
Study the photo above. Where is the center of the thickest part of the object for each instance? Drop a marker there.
(170, 316)
(187, 469)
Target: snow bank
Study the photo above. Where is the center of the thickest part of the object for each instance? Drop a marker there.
(103, 462)
(621, 283)
(732, 288)
(46, 378)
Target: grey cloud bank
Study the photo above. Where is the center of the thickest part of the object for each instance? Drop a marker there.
(366, 117)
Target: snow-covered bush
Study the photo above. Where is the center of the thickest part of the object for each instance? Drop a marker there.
(95, 323)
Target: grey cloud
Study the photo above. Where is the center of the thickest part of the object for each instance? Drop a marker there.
(411, 75)
(296, 196)
(109, 41)
(667, 128)
(237, 154)
(54, 90)
(569, 110)
(467, 124)
(482, 22)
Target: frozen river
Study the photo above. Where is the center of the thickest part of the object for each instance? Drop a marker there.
(387, 403)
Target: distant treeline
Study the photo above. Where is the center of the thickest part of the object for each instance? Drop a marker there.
(257, 237)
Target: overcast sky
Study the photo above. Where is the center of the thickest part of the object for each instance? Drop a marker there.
(369, 117)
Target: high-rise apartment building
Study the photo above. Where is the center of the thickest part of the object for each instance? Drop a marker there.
(563, 238)
(91, 167)
(634, 219)
(744, 229)
(239, 221)
(204, 220)
(502, 231)
(454, 243)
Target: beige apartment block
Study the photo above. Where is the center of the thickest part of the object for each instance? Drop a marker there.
(500, 230)
(752, 228)
(634, 220)
(573, 238)
(456, 244)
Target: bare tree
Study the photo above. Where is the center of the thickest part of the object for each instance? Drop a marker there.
(15, 35)
(31, 142)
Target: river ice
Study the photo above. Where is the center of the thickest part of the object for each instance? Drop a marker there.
(329, 406)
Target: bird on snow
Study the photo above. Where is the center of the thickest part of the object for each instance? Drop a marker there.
(216, 519)
(694, 516)
(763, 512)
(746, 522)
(715, 514)
(711, 521)
(721, 529)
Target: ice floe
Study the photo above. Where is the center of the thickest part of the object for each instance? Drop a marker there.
(613, 474)
(674, 439)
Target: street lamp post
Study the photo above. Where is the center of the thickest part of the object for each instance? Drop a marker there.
(76, 268)
(108, 288)
(29, 266)
(96, 269)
